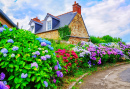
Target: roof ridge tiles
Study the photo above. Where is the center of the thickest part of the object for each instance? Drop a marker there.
(53, 16)
(64, 13)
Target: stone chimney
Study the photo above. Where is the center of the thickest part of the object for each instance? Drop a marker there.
(76, 8)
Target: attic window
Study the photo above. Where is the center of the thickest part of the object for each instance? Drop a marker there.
(32, 27)
(48, 25)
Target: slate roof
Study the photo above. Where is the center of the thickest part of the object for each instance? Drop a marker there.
(7, 18)
(63, 19)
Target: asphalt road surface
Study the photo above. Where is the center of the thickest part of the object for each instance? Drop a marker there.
(113, 78)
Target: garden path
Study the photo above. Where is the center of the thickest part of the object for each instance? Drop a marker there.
(113, 78)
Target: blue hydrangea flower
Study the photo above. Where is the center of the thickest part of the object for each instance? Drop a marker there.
(2, 76)
(1, 29)
(12, 55)
(5, 82)
(59, 67)
(46, 84)
(4, 54)
(51, 48)
(10, 29)
(39, 38)
(5, 26)
(4, 50)
(24, 75)
(10, 41)
(34, 56)
(15, 48)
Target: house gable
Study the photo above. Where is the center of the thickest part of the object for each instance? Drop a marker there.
(78, 28)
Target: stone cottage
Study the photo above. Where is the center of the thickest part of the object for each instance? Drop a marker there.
(48, 28)
(4, 19)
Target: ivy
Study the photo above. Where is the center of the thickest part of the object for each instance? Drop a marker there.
(64, 32)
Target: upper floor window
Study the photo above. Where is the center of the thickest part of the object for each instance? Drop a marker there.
(48, 25)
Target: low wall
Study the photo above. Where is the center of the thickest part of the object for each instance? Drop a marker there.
(49, 34)
(76, 40)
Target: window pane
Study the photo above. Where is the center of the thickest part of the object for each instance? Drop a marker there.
(49, 25)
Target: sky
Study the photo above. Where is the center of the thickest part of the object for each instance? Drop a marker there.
(101, 17)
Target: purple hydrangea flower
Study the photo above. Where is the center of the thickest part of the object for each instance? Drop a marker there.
(46, 84)
(61, 74)
(58, 73)
(56, 67)
(34, 64)
(24, 75)
(43, 57)
(57, 62)
(46, 51)
(48, 56)
(10, 41)
(2, 76)
(54, 80)
(39, 48)
(37, 52)
(43, 44)
(10, 29)
(4, 50)
(2, 86)
(99, 62)
(15, 48)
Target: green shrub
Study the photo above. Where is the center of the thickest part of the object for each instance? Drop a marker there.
(22, 51)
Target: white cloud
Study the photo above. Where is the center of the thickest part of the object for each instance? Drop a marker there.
(107, 18)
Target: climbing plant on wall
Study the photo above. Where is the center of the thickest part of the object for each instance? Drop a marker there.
(64, 32)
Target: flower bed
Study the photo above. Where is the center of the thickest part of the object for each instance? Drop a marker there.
(26, 60)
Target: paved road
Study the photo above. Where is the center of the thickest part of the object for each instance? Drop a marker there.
(113, 78)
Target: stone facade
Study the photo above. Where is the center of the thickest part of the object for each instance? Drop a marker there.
(78, 27)
(78, 31)
(49, 34)
(3, 21)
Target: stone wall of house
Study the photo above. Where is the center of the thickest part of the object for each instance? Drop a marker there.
(78, 27)
(75, 40)
(50, 34)
(3, 21)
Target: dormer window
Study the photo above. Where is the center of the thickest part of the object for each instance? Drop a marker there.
(49, 23)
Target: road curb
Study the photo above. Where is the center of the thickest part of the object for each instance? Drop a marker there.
(73, 83)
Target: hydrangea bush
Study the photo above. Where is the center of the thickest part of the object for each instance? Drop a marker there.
(125, 48)
(92, 55)
(27, 61)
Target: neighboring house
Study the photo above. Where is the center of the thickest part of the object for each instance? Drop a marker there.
(48, 28)
(4, 19)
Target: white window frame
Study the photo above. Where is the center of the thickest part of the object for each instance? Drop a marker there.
(49, 19)
(32, 30)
